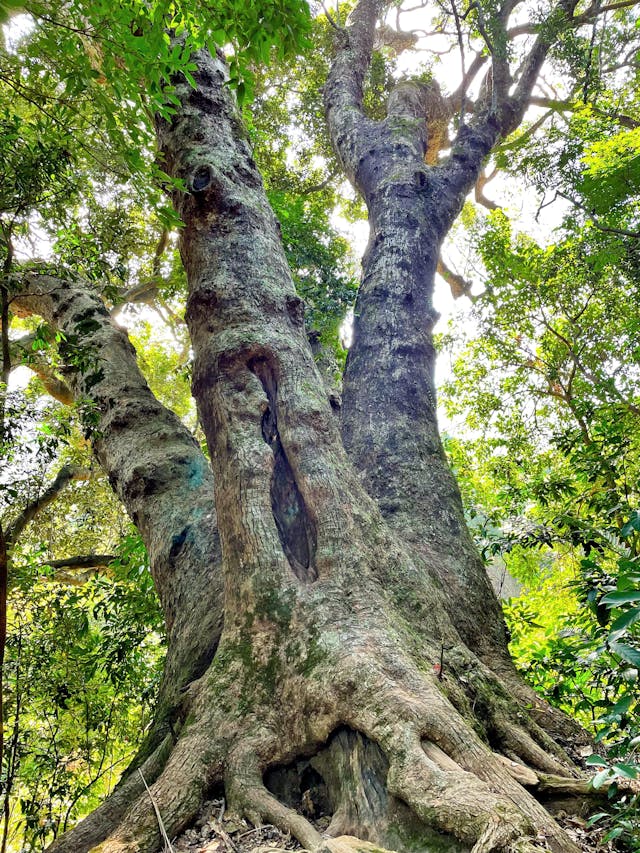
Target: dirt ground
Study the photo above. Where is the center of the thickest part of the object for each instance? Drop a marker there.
(217, 832)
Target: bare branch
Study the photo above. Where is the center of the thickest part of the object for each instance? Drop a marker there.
(459, 285)
(558, 105)
(622, 232)
(526, 134)
(478, 62)
(66, 475)
(76, 571)
(330, 19)
(82, 561)
(480, 197)
(596, 9)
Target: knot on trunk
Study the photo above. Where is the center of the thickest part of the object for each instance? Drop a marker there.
(395, 41)
(423, 101)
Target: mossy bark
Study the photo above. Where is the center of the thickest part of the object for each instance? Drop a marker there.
(154, 466)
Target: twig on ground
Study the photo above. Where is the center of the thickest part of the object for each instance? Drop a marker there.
(163, 832)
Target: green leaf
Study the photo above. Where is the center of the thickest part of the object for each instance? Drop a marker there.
(623, 705)
(616, 832)
(626, 620)
(617, 598)
(600, 778)
(628, 653)
(632, 524)
(627, 771)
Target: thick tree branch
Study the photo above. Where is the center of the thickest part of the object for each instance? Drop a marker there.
(459, 285)
(530, 68)
(82, 561)
(77, 570)
(53, 385)
(460, 96)
(24, 355)
(344, 88)
(480, 197)
(596, 9)
(390, 427)
(499, 112)
(154, 465)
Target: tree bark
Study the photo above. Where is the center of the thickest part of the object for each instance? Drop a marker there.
(362, 661)
(339, 647)
(389, 419)
(154, 466)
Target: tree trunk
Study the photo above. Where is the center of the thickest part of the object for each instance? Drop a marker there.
(346, 670)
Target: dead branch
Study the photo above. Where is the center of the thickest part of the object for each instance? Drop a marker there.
(66, 475)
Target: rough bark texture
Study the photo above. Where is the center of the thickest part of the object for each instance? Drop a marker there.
(154, 465)
(389, 416)
(362, 665)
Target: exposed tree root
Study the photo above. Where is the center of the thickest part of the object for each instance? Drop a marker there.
(302, 658)
(517, 741)
(247, 794)
(407, 765)
(300, 661)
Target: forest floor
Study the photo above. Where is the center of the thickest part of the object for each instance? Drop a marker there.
(217, 832)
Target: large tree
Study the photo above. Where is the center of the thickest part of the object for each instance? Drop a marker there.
(330, 626)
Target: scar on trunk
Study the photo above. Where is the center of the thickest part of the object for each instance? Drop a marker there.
(295, 527)
(342, 789)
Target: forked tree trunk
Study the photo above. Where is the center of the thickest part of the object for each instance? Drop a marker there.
(345, 671)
